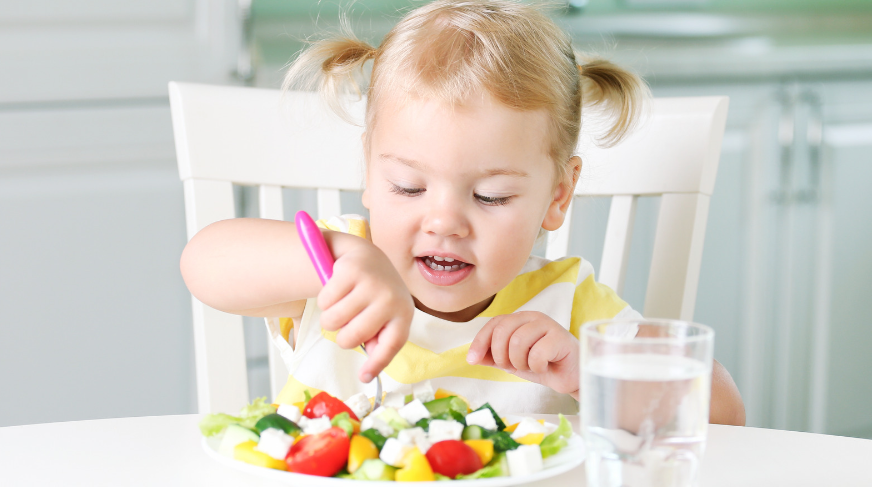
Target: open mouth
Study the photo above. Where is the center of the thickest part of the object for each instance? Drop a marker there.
(444, 271)
(443, 263)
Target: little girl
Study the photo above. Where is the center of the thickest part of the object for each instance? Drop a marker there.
(473, 113)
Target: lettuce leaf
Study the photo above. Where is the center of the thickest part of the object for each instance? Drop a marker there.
(492, 470)
(251, 413)
(212, 424)
(555, 442)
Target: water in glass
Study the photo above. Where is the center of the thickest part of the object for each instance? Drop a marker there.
(644, 418)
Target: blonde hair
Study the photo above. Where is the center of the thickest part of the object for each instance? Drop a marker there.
(450, 48)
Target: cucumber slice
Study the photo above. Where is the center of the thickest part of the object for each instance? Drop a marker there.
(234, 435)
(374, 436)
(374, 469)
(278, 422)
(474, 432)
(446, 404)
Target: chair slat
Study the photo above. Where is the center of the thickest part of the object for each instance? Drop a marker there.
(328, 203)
(270, 203)
(271, 206)
(616, 248)
(222, 384)
(558, 240)
(675, 263)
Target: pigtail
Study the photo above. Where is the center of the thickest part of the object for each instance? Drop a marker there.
(335, 67)
(617, 93)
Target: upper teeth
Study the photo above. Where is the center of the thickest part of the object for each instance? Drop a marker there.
(440, 259)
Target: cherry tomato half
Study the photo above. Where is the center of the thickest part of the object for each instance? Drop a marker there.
(452, 458)
(325, 404)
(323, 454)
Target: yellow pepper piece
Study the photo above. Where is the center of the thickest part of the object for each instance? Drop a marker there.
(511, 428)
(355, 425)
(484, 448)
(531, 439)
(416, 468)
(362, 448)
(245, 452)
(300, 405)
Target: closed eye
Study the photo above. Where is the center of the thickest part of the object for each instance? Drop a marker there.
(406, 191)
(493, 200)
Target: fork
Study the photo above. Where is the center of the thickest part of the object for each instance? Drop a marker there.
(322, 259)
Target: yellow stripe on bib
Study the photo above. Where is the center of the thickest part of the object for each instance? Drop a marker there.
(524, 287)
(593, 301)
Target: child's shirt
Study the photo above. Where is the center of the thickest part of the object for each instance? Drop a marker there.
(563, 289)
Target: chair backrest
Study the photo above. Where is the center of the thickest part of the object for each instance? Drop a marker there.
(226, 135)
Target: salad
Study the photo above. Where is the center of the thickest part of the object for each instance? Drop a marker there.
(424, 436)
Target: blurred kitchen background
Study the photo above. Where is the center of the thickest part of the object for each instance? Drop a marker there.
(96, 318)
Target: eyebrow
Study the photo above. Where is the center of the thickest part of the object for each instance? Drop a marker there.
(488, 172)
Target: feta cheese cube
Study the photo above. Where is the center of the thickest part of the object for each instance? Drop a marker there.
(483, 418)
(382, 427)
(359, 404)
(366, 423)
(303, 422)
(441, 430)
(395, 399)
(423, 391)
(290, 411)
(528, 426)
(524, 460)
(318, 425)
(415, 437)
(275, 443)
(393, 452)
(414, 411)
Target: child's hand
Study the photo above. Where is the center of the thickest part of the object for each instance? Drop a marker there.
(531, 346)
(368, 303)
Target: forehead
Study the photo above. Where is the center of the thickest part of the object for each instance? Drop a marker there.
(479, 129)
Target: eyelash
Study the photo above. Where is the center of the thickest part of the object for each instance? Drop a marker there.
(487, 200)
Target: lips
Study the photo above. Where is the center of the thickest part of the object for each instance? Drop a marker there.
(443, 270)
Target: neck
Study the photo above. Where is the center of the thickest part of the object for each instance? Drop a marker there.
(460, 316)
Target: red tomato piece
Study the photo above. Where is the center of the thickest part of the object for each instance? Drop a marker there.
(452, 458)
(325, 404)
(323, 454)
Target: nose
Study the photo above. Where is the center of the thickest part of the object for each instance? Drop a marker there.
(446, 218)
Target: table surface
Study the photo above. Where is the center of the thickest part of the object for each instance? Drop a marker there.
(165, 450)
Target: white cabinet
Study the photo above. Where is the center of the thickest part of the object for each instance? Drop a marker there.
(96, 318)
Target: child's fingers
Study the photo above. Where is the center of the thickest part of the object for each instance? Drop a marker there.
(553, 347)
(362, 327)
(390, 340)
(334, 291)
(343, 310)
(480, 345)
(523, 340)
(500, 337)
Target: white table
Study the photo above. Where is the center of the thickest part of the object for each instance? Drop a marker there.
(165, 450)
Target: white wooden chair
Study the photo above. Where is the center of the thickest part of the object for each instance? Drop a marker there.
(226, 135)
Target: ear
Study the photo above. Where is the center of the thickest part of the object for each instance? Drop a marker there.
(562, 197)
(364, 196)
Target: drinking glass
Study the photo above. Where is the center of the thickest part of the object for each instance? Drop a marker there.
(645, 389)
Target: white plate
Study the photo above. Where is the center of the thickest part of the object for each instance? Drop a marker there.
(568, 458)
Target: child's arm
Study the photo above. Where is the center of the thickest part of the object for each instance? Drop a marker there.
(532, 346)
(259, 267)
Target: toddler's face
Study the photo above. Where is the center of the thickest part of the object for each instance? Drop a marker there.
(466, 188)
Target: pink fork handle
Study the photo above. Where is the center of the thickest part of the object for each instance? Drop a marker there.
(315, 245)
